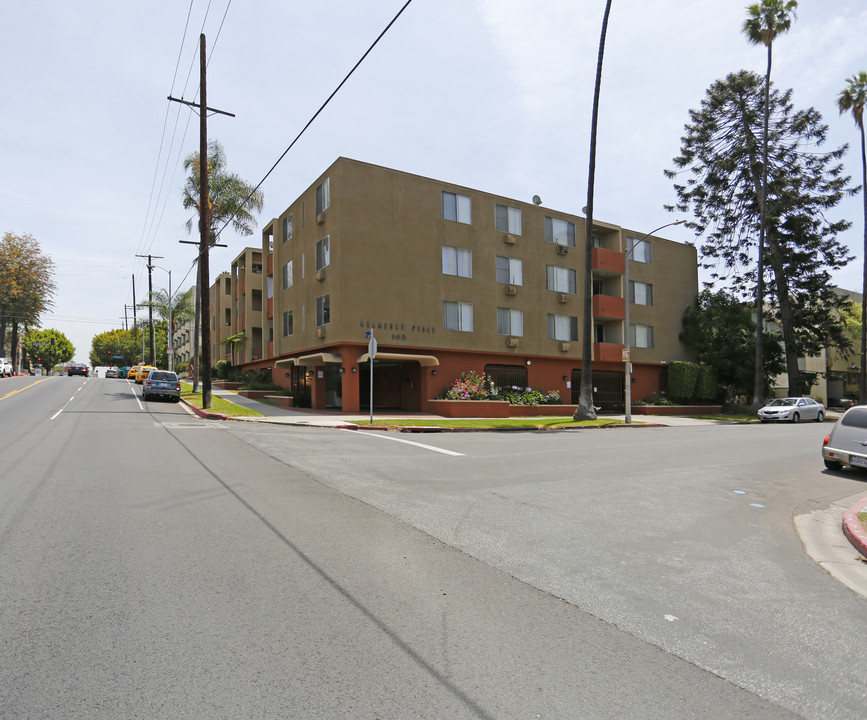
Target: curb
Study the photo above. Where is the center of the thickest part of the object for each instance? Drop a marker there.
(206, 414)
(853, 528)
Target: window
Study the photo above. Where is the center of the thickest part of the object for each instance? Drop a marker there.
(287, 227)
(640, 250)
(559, 232)
(642, 336)
(456, 208)
(288, 323)
(457, 261)
(510, 270)
(562, 327)
(323, 310)
(510, 322)
(458, 316)
(562, 280)
(287, 275)
(323, 196)
(323, 252)
(507, 376)
(507, 219)
(640, 293)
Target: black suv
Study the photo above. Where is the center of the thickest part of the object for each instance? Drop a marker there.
(77, 369)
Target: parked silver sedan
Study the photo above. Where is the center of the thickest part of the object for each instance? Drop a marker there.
(161, 383)
(793, 409)
(846, 444)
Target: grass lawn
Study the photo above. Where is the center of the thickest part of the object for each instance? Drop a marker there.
(218, 404)
(537, 423)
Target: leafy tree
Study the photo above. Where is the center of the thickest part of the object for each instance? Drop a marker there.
(26, 286)
(125, 347)
(851, 99)
(721, 329)
(47, 348)
(765, 20)
(721, 157)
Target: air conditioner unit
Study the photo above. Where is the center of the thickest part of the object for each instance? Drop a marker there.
(320, 332)
(511, 289)
(320, 274)
(510, 239)
(512, 342)
(563, 297)
(320, 218)
(562, 249)
(564, 346)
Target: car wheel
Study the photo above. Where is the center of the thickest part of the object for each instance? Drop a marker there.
(820, 417)
(796, 418)
(764, 420)
(833, 465)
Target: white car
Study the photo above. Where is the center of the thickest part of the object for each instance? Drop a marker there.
(793, 409)
(846, 444)
(5, 368)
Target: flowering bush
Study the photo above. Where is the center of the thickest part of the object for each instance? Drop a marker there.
(472, 386)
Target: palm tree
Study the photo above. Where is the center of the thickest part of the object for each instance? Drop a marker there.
(852, 99)
(765, 20)
(585, 409)
(231, 198)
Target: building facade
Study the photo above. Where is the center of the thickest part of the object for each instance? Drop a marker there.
(449, 279)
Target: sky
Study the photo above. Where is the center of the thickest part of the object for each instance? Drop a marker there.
(494, 95)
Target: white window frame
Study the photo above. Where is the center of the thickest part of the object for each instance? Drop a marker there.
(288, 275)
(288, 323)
(510, 322)
(457, 208)
(640, 249)
(641, 336)
(640, 293)
(562, 327)
(507, 219)
(287, 227)
(509, 270)
(457, 261)
(563, 280)
(323, 196)
(323, 310)
(458, 316)
(323, 252)
(559, 232)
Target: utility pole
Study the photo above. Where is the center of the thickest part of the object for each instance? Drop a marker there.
(204, 224)
(153, 358)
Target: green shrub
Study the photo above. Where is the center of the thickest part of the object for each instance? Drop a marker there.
(682, 379)
(707, 384)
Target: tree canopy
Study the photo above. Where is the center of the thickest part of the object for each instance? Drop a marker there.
(718, 178)
(47, 348)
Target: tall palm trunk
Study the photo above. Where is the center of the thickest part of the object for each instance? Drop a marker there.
(585, 409)
(862, 384)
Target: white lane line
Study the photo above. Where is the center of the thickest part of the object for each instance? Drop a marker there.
(67, 404)
(407, 442)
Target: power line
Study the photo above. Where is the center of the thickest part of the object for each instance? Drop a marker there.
(322, 107)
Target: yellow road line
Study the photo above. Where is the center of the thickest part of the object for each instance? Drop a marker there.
(10, 394)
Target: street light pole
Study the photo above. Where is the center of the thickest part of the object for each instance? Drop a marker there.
(627, 329)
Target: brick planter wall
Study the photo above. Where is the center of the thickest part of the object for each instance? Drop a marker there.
(282, 400)
(677, 410)
(255, 394)
(470, 408)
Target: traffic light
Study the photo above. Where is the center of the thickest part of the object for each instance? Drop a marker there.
(109, 354)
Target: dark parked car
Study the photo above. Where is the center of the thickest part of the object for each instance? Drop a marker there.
(161, 383)
(842, 403)
(77, 369)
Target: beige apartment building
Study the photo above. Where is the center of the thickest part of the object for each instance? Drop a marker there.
(447, 279)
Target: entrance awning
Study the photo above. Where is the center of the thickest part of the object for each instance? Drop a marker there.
(310, 360)
(318, 359)
(423, 360)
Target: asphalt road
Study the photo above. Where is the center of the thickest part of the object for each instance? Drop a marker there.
(157, 566)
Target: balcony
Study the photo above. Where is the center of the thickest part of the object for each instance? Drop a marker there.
(608, 352)
(608, 262)
(607, 307)
(270, 313)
